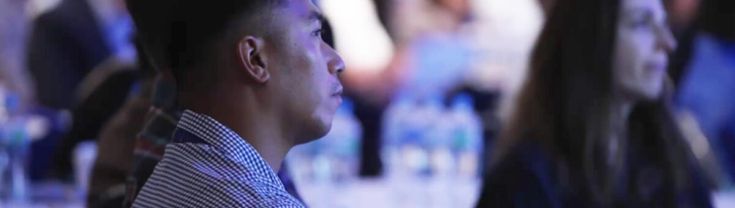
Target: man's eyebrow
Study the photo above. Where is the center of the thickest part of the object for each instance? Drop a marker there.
(638, 12)
(315, 16)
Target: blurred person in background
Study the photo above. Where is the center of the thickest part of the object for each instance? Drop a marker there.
(708, 80)
(366, 47)
(65, 45)
(18, 97)
(383, 9)
(115, 139)
(18, 85)
(503, 33)
(414, 19)
(163, 114)
(436, 51)
(102, 94)
(251, 91)
(158, 124)
(13, 32)
(593, 127)
(423, 32)
(685, 22)
(69, 41)
(683, 18)
(682, 13)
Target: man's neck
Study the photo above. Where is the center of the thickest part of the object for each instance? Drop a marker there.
(250, 120)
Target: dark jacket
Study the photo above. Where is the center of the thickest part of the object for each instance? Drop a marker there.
(65, 45)
(528, 177)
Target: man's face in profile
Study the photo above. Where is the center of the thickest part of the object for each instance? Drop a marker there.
(304, 69)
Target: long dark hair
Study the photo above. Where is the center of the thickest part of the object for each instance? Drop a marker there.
(565, 105)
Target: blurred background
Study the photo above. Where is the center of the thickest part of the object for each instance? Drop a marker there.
(429, 84)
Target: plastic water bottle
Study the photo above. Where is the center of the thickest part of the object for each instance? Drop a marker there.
(466, 136)
(420, 138)
(4, 156)
(19, 144)
(14, 147)
(328, 164)
(334, 157)
(437, 137)
(85, 154)
(410, 134)
(404, 133)
(343, 142)
(394, 131)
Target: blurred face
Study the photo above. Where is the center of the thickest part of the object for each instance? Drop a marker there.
(683, 12)
(306, 70)
(460, 8)
(641, 50)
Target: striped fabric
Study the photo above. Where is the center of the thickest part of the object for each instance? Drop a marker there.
(209, 165)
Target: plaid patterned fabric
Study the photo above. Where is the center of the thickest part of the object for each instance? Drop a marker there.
(157, 133)
(209, 165)
(149, 148)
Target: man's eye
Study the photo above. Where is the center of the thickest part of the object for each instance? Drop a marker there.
(317, 33)
(641, 24)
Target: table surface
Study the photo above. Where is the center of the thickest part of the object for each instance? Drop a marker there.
(416, 193)
(357, 193)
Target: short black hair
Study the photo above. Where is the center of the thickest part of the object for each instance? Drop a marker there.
(176, 34)
(327, 33)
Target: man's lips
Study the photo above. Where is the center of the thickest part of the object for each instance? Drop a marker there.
(338, 91)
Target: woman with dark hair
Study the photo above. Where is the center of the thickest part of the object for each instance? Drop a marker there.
(592, 126)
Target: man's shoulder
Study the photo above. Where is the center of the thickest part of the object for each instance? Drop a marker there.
(263, 194)
(230, 194)
(197, 174)
(219, 193)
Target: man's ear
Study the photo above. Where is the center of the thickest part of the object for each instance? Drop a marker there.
(253, 59)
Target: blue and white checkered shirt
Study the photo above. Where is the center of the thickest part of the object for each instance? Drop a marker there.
(209, 165)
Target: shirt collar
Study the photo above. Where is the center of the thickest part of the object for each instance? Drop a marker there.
(228, 142)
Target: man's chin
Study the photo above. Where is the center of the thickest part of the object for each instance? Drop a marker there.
(317, 132)
(324, 129)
